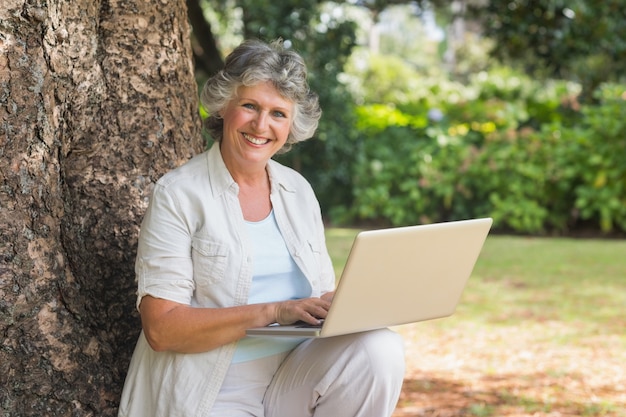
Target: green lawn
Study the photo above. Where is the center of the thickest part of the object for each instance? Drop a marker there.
(518, 279)
(575, 281)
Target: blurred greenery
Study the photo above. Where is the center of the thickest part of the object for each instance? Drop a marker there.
(582, 40)
(513, 153)
(515, 110)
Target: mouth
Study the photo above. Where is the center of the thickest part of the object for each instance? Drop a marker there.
(255, 140)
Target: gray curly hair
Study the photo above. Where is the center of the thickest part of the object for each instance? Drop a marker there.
(254, 62)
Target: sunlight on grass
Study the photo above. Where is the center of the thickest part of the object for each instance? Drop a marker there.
(481, 410)
(518, 279)
(525, 279)
(533, 280)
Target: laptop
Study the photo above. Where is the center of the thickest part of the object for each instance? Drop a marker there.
(397, 276)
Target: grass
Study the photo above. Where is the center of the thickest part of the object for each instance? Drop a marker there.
(574, 281)
(540, 330)
(570, 281)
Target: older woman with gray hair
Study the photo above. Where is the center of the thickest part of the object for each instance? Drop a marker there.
(233, 240)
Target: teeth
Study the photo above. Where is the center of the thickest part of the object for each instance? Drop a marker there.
(255, 140)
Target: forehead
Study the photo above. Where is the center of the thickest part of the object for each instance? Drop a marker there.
(264, 93)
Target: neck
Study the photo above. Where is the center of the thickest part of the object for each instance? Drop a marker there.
(254, 196)
(253, 174)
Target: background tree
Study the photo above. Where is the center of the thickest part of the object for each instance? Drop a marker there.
(97, 100)
(208, 58)
(581, 40)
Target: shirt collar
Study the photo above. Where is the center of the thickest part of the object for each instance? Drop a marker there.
(222, 181)
(219, 177)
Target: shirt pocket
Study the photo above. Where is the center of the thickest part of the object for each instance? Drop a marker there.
(209, 261)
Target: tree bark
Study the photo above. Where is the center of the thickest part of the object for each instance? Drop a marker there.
(97, 101)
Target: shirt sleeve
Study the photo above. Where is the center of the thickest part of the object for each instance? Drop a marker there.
(163, 266)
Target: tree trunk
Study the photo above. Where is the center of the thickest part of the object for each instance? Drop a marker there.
(208, 58)
(97, 100)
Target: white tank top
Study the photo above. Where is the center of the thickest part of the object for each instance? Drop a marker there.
(275, 277)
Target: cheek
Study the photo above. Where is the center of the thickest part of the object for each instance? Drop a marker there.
(233, 119)
(284, 135)
(286, 130)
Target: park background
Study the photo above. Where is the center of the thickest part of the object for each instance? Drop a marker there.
(436, 111)
(433, 111)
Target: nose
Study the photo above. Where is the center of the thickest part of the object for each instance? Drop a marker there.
(260, 122)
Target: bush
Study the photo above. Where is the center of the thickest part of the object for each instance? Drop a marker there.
(596, 148)
(522, 153)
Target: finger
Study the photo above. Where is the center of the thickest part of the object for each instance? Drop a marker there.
(319, 311)
(328, 296)
(312, 319)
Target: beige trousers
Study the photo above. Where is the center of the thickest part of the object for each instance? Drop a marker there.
(357, 375)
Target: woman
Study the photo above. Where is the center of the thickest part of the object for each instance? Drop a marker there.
(233, 240)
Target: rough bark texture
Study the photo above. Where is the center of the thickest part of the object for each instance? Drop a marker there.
(97, 100)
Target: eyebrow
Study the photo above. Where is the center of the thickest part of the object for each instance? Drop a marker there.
(287, 110)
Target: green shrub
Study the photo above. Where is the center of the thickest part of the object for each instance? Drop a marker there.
(521, 152)
(596, 149)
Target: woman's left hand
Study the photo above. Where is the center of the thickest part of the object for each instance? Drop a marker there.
(309, 310)
(328, 296)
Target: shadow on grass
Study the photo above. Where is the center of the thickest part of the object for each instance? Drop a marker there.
(535, 394)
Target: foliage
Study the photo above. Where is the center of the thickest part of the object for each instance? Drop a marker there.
(582, 40)
(597, 148)
(505, 146)
(401, 141)
(385, 79)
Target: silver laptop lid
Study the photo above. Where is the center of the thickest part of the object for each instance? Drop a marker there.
(404, 275)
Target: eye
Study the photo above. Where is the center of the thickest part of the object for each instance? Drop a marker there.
(279, 113)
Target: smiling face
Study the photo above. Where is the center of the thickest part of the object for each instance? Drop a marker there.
(256, 126)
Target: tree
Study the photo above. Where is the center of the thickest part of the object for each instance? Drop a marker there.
(582, 40)
(97, 100)
(208, 58)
